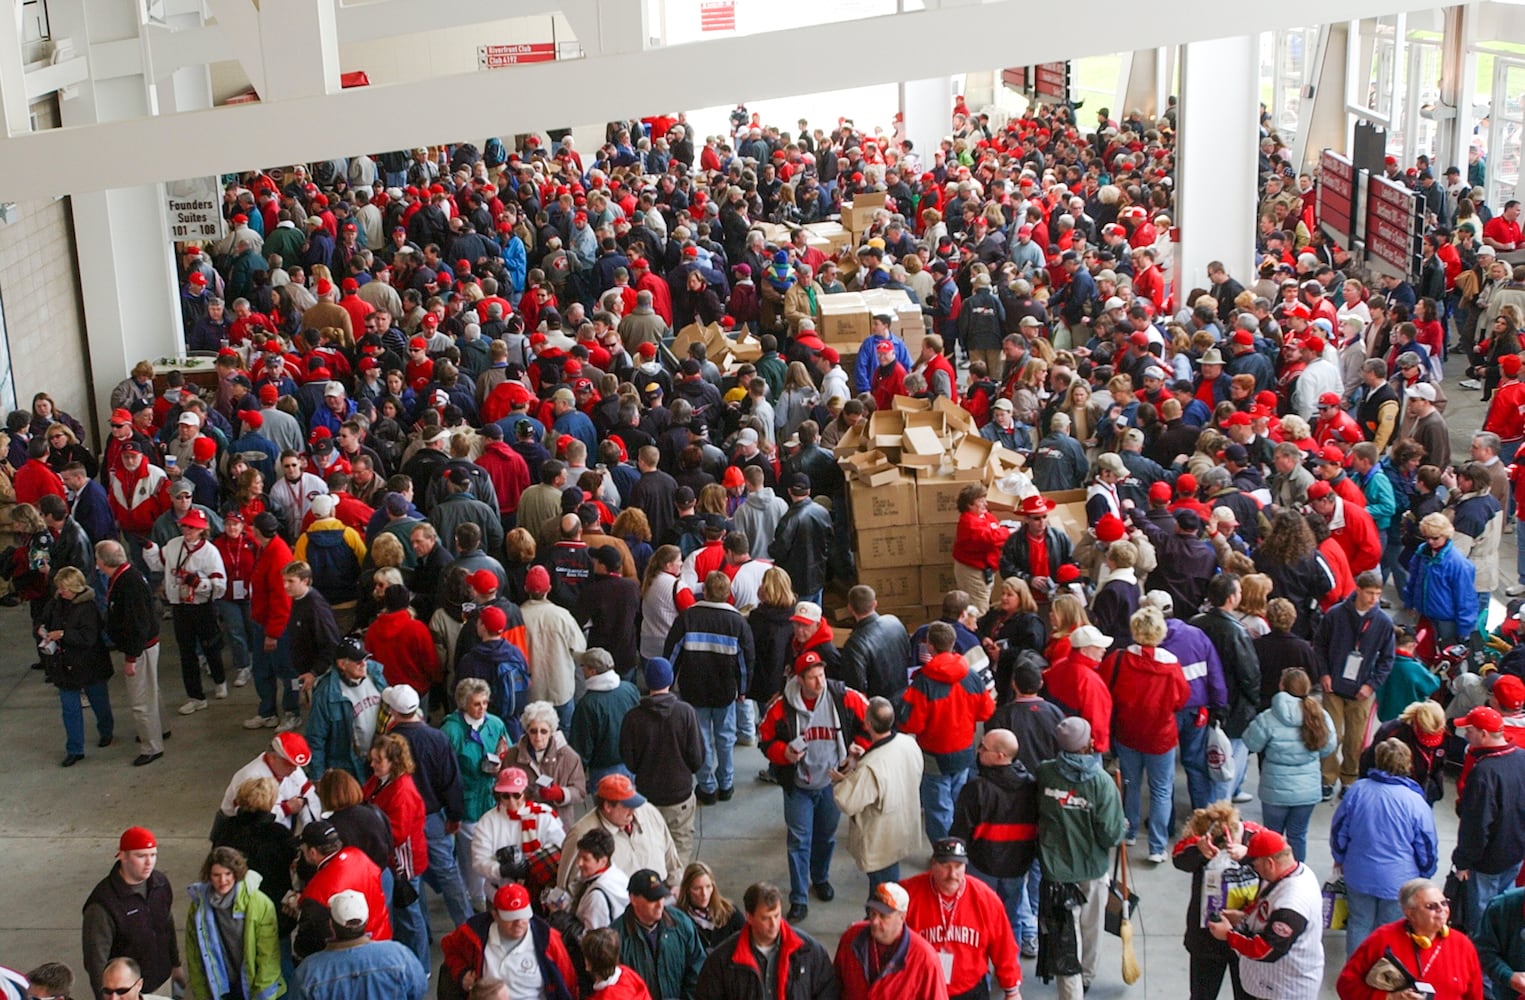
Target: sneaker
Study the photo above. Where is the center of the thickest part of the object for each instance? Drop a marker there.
(1029, 949)
(220, 691)
(824, 891)
(262, 722)
(1328, 792)
(1243, 797)
(797, 912)
(1515, 589)
(1470, 383)
(242, 678)
(705, 798)
(746, 741)
(725, 794)
(1131, 839)
(192, 706)
(1156, 858)
(290, 722)
(766, 776)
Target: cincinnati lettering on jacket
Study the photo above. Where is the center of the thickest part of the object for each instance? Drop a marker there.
(953, 934)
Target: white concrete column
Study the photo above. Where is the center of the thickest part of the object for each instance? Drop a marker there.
(1216, 176)
(1324, 123)
(18, 118)
(300, 50)
(1141, 84)
(927, 109)
(1458, 70)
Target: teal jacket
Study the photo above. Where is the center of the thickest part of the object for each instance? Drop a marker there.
(1289, 772)
(1381, 503)
(1406, 683)
(471, 747)
(595, 730)
(330, 724)
(206, 966)
(673, 971)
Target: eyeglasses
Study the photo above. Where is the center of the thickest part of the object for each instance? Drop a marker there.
(107, 991)
(1434, 907)
(505, 796)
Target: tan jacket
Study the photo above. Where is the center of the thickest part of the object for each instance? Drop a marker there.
(880, 799)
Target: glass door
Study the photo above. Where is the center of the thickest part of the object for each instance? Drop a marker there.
(1504, 131)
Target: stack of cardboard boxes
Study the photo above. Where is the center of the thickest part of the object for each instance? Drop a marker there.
(905, 469)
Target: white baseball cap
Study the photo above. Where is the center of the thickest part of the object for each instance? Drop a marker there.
(1087, 635)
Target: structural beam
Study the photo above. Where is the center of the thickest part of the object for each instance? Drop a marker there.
(64, 161)
(366, 22)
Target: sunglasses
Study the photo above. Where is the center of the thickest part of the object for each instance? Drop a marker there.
(505, 796)
(107, 991)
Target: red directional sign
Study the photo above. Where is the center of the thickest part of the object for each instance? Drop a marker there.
(1337, 197)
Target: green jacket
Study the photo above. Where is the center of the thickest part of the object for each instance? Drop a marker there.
(595, 730)
(674, 970)
(1501, 939)
(1080, 818)
(1408, 682)
(205, 965)
(470, 747)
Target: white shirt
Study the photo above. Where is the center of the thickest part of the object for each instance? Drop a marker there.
(514, 964)
(293, 785)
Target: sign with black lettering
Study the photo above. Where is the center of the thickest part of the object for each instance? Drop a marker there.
(195, 209)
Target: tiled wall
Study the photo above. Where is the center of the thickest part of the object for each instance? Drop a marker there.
(39, 290)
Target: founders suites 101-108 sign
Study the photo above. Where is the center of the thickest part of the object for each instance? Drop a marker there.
(1390, 232)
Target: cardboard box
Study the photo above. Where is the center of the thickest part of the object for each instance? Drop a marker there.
(694, 333)
(745, 348)
(850, 442)
(844, 318)
(921, 440)
(886, 428)
(859, 213)
(973, 452)
(937, 542)
(959, 419)
(937, 501)
(886, 505)
(936, 580)
(835, 236)
(1071, 512)
(879, 548)
(894, 586)
(872, 468)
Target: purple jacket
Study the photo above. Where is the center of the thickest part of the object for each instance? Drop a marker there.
(1199, 662)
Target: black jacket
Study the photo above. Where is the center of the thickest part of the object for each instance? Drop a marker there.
(660, 743)
(71, 547)
(1241, 668)
(312, 634)
(132, 621)
(82, 659)
(801, 543)
(733, 970)
(773, 646)
(877, 657)
(436, 774)
(1014, 553)
(997, 816)
(711, 649)
(269, 848)
(1491, 837)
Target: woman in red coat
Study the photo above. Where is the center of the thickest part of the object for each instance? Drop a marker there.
(391, 790)
(408, 652)
(1148, 680)
(1423, 942)
(976, 546)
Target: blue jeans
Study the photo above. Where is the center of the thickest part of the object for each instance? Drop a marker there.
(1013, 893)
(237, 628)
(883, 875)
(1482, 888)
(811, 817)
(1202, 789)
(1161, 769)
(718, 728)
(74, 716)
(443, 876)
(1291, 821)
(564, 715)
(1241, 762)
(938, 793)
(1392, 564)
(272, 671)
(1367, 913)
(746, 720)
(410, 924)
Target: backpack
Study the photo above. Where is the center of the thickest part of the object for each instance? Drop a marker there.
(690, 536)
(978, 399)
(510, 690)
(335, 570)
(323, 173)
(493, 154)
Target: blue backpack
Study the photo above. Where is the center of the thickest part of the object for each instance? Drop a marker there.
(335, 569)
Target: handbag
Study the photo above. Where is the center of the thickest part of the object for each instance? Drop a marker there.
(1456, 894)
(1336, 905)
(1121, 900)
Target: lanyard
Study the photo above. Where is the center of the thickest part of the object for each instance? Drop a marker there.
(1424, 967)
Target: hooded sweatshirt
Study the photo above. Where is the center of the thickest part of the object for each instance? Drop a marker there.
(1080, 817)
(758, 516)
(942, 705)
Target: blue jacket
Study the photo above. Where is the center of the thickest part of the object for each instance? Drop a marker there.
(1442, 587)
(1199, 662)
(1383, 834)
(330, 724)
(577, 424)
(92, 509)
(376, 970)
(863, 368)
(1289, 772)
(502, 666)
(1344, 631)
(1381, 502)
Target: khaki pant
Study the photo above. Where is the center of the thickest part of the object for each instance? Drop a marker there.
(680, 823)
(143, 692)
(995, 361)
(971, 580)
(1088, 922)
(1351, 718)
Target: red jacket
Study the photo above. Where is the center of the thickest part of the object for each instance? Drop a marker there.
(1074, 685)
(887, 384)
(238, 558)
(1346, 488)
(351, 869)
(978, 541)
(911, 970)
(405, 648)
(270, 605)
(1506, 412)
(35, 480)
(1339, 565)
(509, 473)
(404, 809)
(940, 363)
(1450, 964)
(629, 986)
(463, 948)
(1358, 537)
(1148, 680)
(977, 933)
(944, 703)
(352, 512)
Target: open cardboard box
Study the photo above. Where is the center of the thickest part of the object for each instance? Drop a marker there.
(885, 428)
(844, 317)
(849, 443)
(958, 418)
(833, 233)
(859, 213)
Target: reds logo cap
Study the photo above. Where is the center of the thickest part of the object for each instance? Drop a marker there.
(292, 748)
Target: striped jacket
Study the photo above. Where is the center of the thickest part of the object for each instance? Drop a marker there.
(997, 816)
(711, 650)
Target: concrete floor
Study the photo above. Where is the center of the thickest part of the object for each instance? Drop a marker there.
(60, 827)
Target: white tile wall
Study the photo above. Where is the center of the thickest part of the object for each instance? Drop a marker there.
(39, 289)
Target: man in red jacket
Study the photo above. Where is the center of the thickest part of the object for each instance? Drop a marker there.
(1349, 525)
(881, 959)
(941, 708)
(509, 473)
(965, 923)
(338, 868)
(269, 610)
(1074, 685)
(35, 480)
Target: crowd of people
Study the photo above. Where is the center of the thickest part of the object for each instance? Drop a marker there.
(512, 581)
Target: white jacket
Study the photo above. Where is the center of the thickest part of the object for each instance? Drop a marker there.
(535, 826)
(554, 638)
(202, 565)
